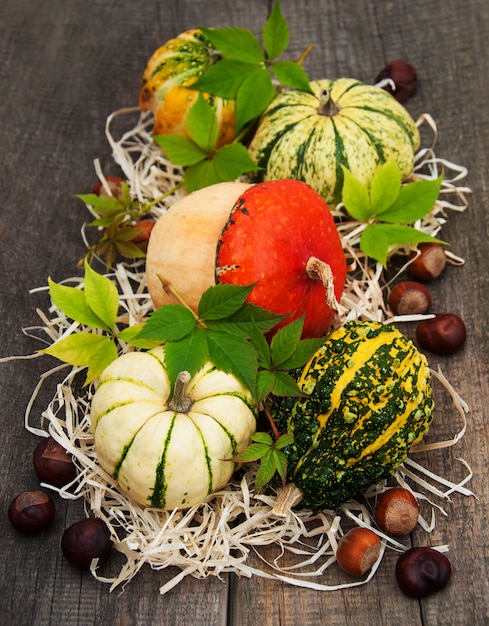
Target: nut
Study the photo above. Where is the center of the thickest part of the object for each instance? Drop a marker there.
(52, 463)
(114, 183)
(404, 77)
(31, 511)
(409, 298)
(429, 262)
(85, 540)
(358, 550)
(422, 571)
(444, 334)
(396, 512)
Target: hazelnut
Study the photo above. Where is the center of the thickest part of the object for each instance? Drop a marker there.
(422, 571)
(85, 540)
(429, 262)
(31, 511)
(444, 334)
(358, 550)
(404, 77)
(396, 511)
(52, 463)
(114, 183)
(409, 298)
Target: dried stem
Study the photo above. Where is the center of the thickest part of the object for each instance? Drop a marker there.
(317, 269)
(181, 401)
(287, 498)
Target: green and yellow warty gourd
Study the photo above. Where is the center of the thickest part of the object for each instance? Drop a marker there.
(369, 400)
(169, 452)
(343, 123)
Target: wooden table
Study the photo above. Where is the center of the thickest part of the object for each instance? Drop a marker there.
(64, 67)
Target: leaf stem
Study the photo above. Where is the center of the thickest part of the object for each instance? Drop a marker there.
(170, 290)
(149, 205)
(300, 60)
(267, 412)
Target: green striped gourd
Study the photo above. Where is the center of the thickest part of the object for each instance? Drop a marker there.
(369, 400)
(169, 72)
(169, 452)
(310, 136)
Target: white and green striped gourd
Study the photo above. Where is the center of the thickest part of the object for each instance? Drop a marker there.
(169, 452)
(311, 136)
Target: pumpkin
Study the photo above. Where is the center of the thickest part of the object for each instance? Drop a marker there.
(310, 136)
(369, 399)
(169, 452)
(165, 91)
(279, 236)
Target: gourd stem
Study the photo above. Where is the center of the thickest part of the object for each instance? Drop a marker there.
(317, 269)
(181, 401)
(287, 497)
(327, 106)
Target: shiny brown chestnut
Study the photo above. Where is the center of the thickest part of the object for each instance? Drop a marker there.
(31, 511)
(409, 298)
(404, 77)
(358, 550)
(428, 261)
(422, 571)
(444, 334)
(52, 463)
(85, 540)
(396, 512)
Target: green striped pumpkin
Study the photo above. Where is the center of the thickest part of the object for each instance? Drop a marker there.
(169, 453)
(344, 122)
(369, 400)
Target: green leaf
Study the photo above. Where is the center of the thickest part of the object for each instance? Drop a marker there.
(252, 453)
(187, 354)
(275, 33)
(285, 385)
(266, 470)
(102, 204)
(376, 239)
(385, 186)
(170, 322)
(129, 250)
(180, 150)
(261, 346)
(200, 175)
(235, 43)
(283, 441)
(264, 384)
(414, 201)
(254, 95)
(222, 300)
(303, 352)
(85, 350)
(355, 197)
(232, 160)
(101, 295)
(285, 340)
(243, 321)
(74, 305)
(263, 438)
(131, 336)
(280, 462)
(201, 124)
(233, 355)
(292, 75)
(225, 77)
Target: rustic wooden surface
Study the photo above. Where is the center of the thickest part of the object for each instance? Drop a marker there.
(64, 66)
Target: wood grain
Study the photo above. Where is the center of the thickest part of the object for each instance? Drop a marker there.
(63, 69)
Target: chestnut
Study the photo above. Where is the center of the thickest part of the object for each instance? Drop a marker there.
(52, 463)
(445, 333)
(396, 511)
(404, 77)
(114, 183)
(422, 571)
(428, 262)
(85, 540)
(31, 511)
(409, 298)
(358, 550)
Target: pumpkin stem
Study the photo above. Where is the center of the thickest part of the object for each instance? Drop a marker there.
(287, 498)
(317, 269)
(327, 106)
(181, 401)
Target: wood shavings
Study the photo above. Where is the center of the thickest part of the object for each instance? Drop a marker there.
(220, 535)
